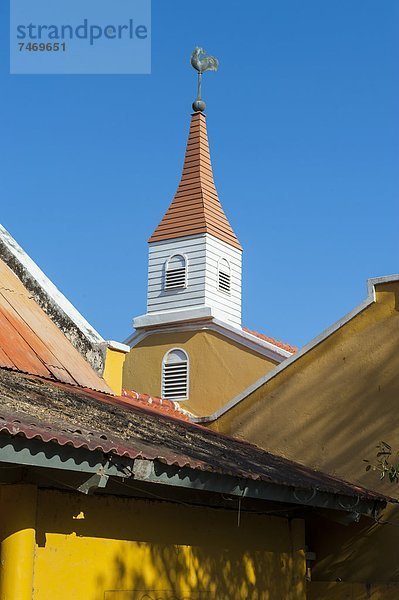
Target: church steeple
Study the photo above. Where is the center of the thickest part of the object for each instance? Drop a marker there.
(196, 207)
(195, 258)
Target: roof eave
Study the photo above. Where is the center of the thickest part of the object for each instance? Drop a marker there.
(372, 283)
(97, 467)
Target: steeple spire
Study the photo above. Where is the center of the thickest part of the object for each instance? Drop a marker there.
(196, 208)
(195, 258)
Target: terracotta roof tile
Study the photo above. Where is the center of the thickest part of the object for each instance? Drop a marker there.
(273, 341)
(196, 207)
(160, 405)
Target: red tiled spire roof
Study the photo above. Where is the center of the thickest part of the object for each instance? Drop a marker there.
(196, 207)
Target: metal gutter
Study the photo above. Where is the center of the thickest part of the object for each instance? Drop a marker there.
(153, 472)
(100, 467)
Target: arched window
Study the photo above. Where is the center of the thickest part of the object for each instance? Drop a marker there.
(176, 272)
(224, 277)
(175, 375)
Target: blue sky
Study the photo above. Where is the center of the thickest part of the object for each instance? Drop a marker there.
(303, 123)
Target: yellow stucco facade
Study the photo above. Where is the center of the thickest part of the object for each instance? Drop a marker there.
(76, 547)
(219, 368)
(113, 369)
(328, 409)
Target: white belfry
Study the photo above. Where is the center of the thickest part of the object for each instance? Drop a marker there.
(195, 259)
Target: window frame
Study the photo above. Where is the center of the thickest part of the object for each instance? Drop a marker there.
(227, 293)
(164, 363)
(167, 270)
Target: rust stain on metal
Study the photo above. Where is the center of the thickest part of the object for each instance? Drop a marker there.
(31, 343)
(196, 207)
(83, 418)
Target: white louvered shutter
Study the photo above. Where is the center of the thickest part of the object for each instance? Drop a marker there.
(224, 281)
(175, 375)
(176, 272)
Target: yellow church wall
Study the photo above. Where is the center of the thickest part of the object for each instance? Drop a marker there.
(113, 369)
(219, 368)
(328, 410)
(96, 548)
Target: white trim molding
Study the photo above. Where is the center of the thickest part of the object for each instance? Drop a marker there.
(118, 346)
(371, 298)
(211, 323)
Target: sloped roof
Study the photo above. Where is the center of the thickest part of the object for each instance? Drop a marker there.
(58, 412)
(66, 317)
(156, 404)
(196, 207)
(31, 343)
(271, 340)
(372, 284)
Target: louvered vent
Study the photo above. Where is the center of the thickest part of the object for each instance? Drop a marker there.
(224, 282)
(175, 375)
(176, 272)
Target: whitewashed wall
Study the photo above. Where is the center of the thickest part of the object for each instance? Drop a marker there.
(228, 304)
(194, 249)
(203, 253)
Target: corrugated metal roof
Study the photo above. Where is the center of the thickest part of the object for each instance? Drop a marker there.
(31, 343)
(49, 411)
(196, 207)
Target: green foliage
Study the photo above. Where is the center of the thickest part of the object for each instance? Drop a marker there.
(386, 462)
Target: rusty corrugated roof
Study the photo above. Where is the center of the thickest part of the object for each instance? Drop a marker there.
(51, 411)
(196, 207)
(31, 343)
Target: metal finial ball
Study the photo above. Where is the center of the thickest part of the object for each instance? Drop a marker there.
(199, 106)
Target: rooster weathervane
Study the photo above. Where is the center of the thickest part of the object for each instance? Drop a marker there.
(201, 63)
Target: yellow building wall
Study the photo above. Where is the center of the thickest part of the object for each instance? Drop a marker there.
(18, 506)
(108, 548)
(219, 368)
(328, 410)
(113, 369)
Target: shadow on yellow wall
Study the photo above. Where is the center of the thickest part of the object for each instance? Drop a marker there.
(331, 407)
(97, 548)
(328, 410)
(205, 572)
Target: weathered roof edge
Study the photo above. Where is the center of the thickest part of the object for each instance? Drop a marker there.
(371, 298)
(87, 341)
(78, 436)
(244, 337)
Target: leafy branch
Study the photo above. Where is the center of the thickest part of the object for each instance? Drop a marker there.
(386, 462)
